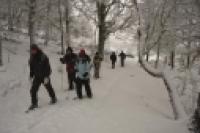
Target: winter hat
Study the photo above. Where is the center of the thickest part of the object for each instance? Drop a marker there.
(69, 49)
(82, 52)
(34, 47)
(97, 53)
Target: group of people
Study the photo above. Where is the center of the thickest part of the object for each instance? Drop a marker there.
(78, 67)
(113, 58)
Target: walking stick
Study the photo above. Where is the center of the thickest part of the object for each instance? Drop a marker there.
(62, 83)
(62, 86)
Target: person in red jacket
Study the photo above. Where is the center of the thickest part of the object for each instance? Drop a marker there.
(70, 59)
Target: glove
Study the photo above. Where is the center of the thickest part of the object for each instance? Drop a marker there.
(76, 70)
(85, 74)
(46, 80)
(62, 60)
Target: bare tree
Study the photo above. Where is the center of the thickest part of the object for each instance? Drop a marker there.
(177, 107)
(110, 16)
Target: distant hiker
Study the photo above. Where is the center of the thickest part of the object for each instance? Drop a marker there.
(40, 72)
(122, 56)
(113, 59)
(83, 68)
(70, 59)
(97, 64)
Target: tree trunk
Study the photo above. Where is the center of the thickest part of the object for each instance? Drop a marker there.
(61, 27)
(147, 56)
(172, 59)
(32, 14)
(47, 27)
(10, 16)
(189, 55)
(1, 54)
(158, 56)
(101, 9)
(101, 42)
(177, 107)
(198, 101)
(67, 16)
(188, 61)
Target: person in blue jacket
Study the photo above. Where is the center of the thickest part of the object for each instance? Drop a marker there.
(83, 68)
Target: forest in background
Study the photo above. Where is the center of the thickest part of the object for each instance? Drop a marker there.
(167, 34)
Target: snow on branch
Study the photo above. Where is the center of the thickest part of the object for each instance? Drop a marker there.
(177, 107)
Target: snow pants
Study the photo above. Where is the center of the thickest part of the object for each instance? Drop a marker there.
(71, 80)
(80, 84)
(96, 71)
(35, 87)
(113, 64)
(122, 62)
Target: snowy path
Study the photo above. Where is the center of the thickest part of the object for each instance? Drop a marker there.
(125, 101)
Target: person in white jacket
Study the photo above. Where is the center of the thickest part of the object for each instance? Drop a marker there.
(83, 68)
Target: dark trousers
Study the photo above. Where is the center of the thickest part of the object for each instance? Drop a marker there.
(80, 84)
(96, 70)
(71, 80)
(122, 62)
(35, 87)
(113, 64)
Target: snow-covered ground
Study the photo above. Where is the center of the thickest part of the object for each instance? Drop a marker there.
(126, 100)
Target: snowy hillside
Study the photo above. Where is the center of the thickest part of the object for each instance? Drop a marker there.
(126, 100)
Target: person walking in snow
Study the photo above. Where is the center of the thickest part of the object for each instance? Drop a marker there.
(97, 64)
(70, 60)
(83, 68)
(40, 71)
(113, 59)
(122, 56)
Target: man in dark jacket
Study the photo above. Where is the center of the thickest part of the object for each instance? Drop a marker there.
(70, 60)
(113, 59)
(40, 72)
(122, 56)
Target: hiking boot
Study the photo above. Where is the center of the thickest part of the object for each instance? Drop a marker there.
(33, 106)
(71, 88)
(53, 101)
(90, 96)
